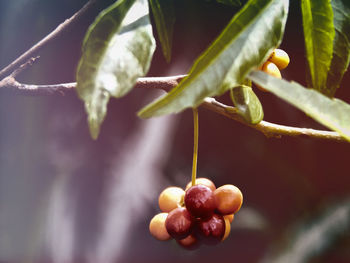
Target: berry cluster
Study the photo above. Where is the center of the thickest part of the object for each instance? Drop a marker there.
(202, 214)
(277, 61)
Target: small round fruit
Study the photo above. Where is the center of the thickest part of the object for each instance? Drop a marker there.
(211, 230)
(228, 199)
(171, 198)
(157, 227)
(230, 217)
(190, 242)
(272, 69)
(227, 228)
(280, 58)
(203, 181)
(199, 200)
(179, 223)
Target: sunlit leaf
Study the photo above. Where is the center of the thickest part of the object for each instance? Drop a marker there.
(244, 44)
(319, 34)
(117, 49)
(333, 113)
(164, 17)
(341, 44)
(247, 103)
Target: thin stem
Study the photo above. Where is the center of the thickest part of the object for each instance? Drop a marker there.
(49, 38)
(195, 145)
(166, 83)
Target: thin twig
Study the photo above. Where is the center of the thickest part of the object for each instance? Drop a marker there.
(24, 66)
(49, 38)
(271, 129)
(167, 83)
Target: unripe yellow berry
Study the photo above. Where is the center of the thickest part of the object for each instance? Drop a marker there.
(228, 199)
(157, 227)
(227, 228)
(272, 69)
(280, 58)
(203, 181)
(171, 198)
(230, 217)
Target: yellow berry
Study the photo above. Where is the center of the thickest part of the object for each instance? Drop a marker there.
(203, 181)
(280, 58)
(227, 228)
(228, 199)
(171, 198)
(230, 217)
(272, 69)
(157, 227)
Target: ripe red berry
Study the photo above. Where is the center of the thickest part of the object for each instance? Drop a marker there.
(211, 230)
(179, 223)
(199, 200)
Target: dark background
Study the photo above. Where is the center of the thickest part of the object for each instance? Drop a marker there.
(67, 198)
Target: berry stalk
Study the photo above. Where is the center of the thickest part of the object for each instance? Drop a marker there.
(195, 145)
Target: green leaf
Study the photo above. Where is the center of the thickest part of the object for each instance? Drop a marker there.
(247, 103)
(244, 44)
(230, 2)
(319, 34)
(341, 45)
(164, 17)
(333, 113)
(117, 49)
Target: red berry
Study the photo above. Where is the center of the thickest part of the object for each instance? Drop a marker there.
(179, 223)
(212, 230)
(199, 200)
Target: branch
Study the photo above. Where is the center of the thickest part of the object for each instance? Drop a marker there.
(49, 38)
(167, 83)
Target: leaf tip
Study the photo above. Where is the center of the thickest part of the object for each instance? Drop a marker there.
(94, 127)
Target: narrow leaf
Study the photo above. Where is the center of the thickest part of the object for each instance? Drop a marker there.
(164, 17)
(117, 49)
(341, 44)
(333, 113)
(247, 103)
(319, 34)
(244, 44)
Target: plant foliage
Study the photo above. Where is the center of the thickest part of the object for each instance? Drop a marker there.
(341, 45)
(333, 113)
(119, 45)
(319, 35)
(117, 50)
(164, 17)
(244, 44)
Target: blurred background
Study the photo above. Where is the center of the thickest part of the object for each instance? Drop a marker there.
(66, 198)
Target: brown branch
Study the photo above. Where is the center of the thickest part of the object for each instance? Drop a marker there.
(49, 38)
(167, 83)
(271, 129)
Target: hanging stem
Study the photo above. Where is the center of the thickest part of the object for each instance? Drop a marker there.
(195, 145)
